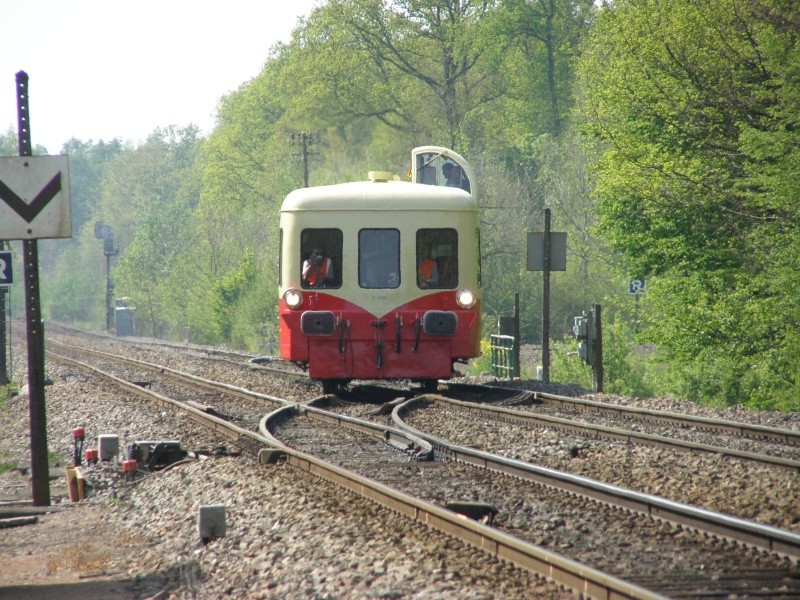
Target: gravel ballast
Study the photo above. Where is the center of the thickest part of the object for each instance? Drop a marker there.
(288, 535)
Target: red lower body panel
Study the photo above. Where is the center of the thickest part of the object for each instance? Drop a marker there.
(371, 360)
(363, 347)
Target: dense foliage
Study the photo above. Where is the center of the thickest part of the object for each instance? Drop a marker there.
(696, 103)
(663, 134)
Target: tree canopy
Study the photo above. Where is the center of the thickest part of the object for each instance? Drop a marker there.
(662, 133)
(696, 103)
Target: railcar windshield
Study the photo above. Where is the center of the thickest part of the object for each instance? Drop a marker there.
(379, 258)
(434, 168)
(321, 258)
(437, 258)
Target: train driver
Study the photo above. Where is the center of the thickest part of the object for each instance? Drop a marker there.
(317, 269)
(427, 272)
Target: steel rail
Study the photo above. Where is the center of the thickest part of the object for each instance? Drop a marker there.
(215, 386)
(614, 433)
(770, 539)
(584, 580)
(62, 329)
(216, 355)
(403, 440)
(236, 433)
(786, 436)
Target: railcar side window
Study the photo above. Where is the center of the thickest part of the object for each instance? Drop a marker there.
(321, 258)
(379, 258)
(437, 258)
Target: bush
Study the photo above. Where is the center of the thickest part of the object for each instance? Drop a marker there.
(625, 367)
(482, 364)
(566, 366)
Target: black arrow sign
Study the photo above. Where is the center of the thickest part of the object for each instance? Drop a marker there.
(30, 211)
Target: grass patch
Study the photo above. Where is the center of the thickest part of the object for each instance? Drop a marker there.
(85, 559)
(57, 459)
(6, 391)
(5, 464)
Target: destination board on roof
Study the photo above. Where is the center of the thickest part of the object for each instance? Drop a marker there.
(34, 197)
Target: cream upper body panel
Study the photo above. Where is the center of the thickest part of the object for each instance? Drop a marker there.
(379, 195)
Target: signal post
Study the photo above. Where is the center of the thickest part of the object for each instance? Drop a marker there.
(547, 251)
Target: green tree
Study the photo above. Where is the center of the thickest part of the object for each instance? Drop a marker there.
(419, 68)
(9, 145)
(87, 164)
(75, 290)
(148, 197)
(545, 37)
(229, 277)
(696, 103)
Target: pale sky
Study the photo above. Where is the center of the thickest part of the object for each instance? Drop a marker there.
(105, 69)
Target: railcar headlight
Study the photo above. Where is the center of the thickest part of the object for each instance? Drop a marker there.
(293, 298)
(465, 298)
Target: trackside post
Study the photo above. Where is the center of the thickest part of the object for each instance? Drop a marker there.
(40, 470)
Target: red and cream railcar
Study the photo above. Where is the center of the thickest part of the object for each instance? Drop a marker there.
(380, 279)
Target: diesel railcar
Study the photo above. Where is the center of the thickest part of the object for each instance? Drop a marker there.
(381, 279)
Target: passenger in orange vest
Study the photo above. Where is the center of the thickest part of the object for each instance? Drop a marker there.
(317, 269)
(427, 273)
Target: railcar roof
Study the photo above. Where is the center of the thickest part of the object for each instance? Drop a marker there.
(379, 195)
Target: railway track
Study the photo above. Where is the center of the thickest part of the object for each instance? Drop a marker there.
(746, 489)
(669, 559)
(785, 441)
(765, 566)
(261, 363)
(781, 451)
(289, 535)
(541, 562)
(675, 423)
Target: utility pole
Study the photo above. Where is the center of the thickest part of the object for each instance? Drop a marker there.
(546, 299)
(588, 330)
(517, 344)
(598, 373)
(304, 140)
(35, 204)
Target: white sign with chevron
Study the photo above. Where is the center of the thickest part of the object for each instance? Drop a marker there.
(34, 197)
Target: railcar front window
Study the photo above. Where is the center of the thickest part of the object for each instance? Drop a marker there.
(379, 258)
(437, 258)
(321, 258)
(437, 169)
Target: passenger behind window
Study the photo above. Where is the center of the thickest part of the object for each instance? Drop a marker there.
(447, 264)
